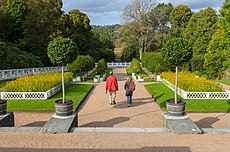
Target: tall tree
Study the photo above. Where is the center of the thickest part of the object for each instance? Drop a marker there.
(179, 18)
(3, 23)
(159, 20)
(217, 58)
(200, 29)
(137, 12)
(16, 14)
(44, 21)
(80, 30)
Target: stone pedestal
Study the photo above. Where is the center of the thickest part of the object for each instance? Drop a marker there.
(181, 124)
(7, 120)
(60, 124)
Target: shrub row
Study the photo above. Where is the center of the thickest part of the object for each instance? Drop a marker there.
(37, 83)
(188, 82)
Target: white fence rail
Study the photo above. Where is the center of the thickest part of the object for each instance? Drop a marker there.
(198, 95)
(14, 73)
(32, 95)
(117, 64)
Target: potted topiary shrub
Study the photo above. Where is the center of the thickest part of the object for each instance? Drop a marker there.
(176, 51)
(62, 51)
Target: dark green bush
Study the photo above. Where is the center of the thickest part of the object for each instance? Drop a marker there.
(101, 67)
(135, 66)
(154, 62)
(82, 63)
(15, 58)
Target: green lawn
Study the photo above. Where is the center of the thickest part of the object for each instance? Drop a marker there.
(225, 81)
(76, 92)
(161, 93)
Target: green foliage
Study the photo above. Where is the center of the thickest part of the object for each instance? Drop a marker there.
(15, 58)
(154, 62)
(108, 54)
(179, 18)
(44, 20)
(159, 19)
(107, 30)
(79, 30)
(101, 67)
(62, 51)
(196, 63)
(176, 51)
(82, 63)
(224, 21)
(2, 52)
(16, 14)
(216, 56)
(135, 66)
(200, 29)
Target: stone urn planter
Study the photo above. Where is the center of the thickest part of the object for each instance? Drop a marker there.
(64, 109)
(3, 104)
(175, 109)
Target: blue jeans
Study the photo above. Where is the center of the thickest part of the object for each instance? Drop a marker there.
(129, 99)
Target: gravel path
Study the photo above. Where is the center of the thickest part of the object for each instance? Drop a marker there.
(96, 112)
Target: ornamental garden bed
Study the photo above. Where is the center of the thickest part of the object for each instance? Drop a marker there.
(39, 86)
(161, 93)
(192, 87)
(76, 92)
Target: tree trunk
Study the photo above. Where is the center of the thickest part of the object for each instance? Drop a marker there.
(176, 84)
(63, 84)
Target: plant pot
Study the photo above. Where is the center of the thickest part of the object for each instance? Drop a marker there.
(63, 109)
(175, 109)
(3, 104)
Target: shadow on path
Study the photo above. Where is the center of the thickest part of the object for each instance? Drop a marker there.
(35, 124)
(107, 123)
(206, 122)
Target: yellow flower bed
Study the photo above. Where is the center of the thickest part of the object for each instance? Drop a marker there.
(41, 82)
(188, 82)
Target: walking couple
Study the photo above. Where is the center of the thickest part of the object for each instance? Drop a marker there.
(112, 88)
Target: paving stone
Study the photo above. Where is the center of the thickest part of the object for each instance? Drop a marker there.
(182, 125)
(60, 124)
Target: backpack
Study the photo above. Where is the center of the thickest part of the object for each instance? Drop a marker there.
(132, 86)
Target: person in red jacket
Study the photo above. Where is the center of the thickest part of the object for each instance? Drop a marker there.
(112, 87)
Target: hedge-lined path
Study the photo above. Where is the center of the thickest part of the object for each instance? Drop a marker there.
(97, 112)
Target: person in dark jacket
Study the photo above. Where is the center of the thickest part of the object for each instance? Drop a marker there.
(112, 87)
(128, 90)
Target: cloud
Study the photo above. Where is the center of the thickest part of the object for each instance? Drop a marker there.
(107, 12)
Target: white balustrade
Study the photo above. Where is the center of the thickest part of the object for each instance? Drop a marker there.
(117, 64)
(198, 95)
(15, 73)
(32, 95)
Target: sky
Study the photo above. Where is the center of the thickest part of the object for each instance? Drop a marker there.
(108, 12)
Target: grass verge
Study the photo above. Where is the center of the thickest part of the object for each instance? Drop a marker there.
(76, 92)
(225, 81)
(161, 93)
